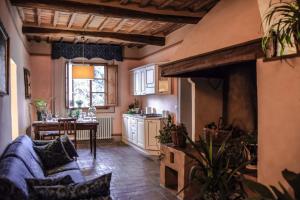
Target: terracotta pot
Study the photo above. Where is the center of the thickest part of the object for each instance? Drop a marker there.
(178, 139)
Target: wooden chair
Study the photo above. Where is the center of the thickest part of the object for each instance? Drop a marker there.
(49, 135)
(67, 126)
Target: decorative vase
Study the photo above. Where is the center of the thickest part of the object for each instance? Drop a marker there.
(178, 138)
(39, 115)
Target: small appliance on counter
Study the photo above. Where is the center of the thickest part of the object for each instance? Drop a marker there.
(148, 110)
(165, 113)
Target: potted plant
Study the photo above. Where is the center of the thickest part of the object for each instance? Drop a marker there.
(41, 107)
(213, 175)
(165, 134)
(178, 135)
(282, 20)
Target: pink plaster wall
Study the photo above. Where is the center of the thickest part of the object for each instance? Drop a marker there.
(278, 117)
(19, 54)
(41, 77)
(229, 22)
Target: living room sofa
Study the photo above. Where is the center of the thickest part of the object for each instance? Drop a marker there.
(20, 161)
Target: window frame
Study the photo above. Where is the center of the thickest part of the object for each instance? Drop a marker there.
(69, 104)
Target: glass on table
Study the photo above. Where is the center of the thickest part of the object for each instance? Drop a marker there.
(49, 116)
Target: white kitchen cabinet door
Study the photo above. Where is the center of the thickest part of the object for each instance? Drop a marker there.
(152, 130)
(141, 133)
(125, 128)
(143, 81)
(137, 82)
(150, 79)
(133, 130)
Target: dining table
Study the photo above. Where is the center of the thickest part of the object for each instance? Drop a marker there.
(53, 125)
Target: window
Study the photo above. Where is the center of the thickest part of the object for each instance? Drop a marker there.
(99, 92)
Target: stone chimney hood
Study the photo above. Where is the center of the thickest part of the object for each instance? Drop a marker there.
(248, 51)
(229, 33)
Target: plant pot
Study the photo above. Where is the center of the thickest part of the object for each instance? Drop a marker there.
(178, 139)
(271, 50)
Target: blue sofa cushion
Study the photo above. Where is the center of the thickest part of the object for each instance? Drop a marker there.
(75, 174)
(98, 187)
(69, 166)
(13, 173)
(53, 154)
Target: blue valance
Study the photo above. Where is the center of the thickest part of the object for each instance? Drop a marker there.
(71, 50)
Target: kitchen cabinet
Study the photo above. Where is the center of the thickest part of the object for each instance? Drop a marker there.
(150, 79)
(152, 128)
(141, 133)
(147, 80)
(137, 82)
(125, 127)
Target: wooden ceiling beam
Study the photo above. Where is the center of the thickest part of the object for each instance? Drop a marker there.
(59, 32)
(161, 29)
(106, 10)
(124, 2)
(187, 4)
(72, 19)
(55, 18)
(139, 23)
(103, 24)
(38, 16)
(145, 3)
(88, 21)
(165, 4)
(120, 25)
(202, 5)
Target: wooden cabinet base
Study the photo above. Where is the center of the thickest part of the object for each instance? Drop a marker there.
(140, 149)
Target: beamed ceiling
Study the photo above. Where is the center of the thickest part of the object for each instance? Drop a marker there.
(125, 22)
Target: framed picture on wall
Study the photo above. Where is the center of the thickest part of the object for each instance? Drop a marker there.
(4, 61)
(27, 83)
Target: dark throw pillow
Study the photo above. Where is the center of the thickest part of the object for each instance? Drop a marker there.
(53, 154)
(98, 188)
(64, 180)
(41, 142)
(32, 182)
(69, 146)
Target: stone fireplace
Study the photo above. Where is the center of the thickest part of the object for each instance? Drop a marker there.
(228, 92)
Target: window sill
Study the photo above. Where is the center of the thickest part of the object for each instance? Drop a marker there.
(97, 107)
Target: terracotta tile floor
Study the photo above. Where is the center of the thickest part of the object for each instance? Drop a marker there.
(134, 175)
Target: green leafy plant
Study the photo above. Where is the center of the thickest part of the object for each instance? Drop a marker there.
(282, 20)
(272, 193)
(214, 175)
(40, 104)
(165, 134)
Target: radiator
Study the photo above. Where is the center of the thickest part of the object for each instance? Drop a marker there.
(104, 131)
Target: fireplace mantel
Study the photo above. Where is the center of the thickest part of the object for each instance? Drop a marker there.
(244, 52)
